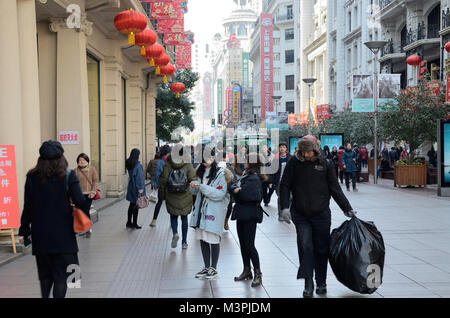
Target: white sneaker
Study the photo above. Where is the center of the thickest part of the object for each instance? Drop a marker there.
(184, 246)
(212, 273)
(175, 239)
(202, 273)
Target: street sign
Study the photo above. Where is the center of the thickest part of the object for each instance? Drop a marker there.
(9, 198)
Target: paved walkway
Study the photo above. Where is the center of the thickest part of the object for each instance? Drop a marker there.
(117, 262)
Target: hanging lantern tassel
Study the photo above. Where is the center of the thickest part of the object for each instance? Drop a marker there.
(152, 62)
(142, 51)
(131, 38)
(165, 79)
(178, 95)
(158, 70)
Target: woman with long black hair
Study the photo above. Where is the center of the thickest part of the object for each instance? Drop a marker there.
(47, 217)
(248, 194)
(136, 187)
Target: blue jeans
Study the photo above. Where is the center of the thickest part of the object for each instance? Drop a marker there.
(184, 226)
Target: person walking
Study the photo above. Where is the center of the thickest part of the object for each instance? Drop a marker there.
(151, 169)
(267, 191)
(87, 175)
(432, 157)
(210, 208)
(136, 187)
(364, 156)
(358, 162)
(248, 213)
(326, 152)
(393, 156)
(341, 167)
(47, 217)
(404, 154)
(156, 184)
(174, 189)
(283, 157)
(350, 168)
(334, 157)
(311, 181)
(225, 164)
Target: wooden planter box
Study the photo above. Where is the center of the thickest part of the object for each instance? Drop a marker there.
(410, 175)
(370, 165)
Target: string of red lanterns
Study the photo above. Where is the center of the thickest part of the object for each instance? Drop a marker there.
(145, 38)
(177, 88)
(130, 22)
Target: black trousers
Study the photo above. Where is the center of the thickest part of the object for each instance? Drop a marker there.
(133, 213)
(157, 207)
(87, 207)
(313, 241)
(347, 179)
(246, 232)
(341, 175)
(267, 192)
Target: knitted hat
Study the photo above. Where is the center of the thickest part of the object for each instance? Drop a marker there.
(308, 143)
(51, 149)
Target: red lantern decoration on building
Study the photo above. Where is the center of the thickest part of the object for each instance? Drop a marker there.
(177, 88)
(145, 38)
(161, 61)
(447, 47)
(152, 52)
(130, 22)
(414, 60)
(167, 70)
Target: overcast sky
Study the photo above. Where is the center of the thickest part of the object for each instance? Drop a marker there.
(204, 17)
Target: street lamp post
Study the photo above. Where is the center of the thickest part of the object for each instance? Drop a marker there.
(375, 47)
(309, 82)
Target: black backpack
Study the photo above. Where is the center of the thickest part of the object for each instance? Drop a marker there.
(177, 181)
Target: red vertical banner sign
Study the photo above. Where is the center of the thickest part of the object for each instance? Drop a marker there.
(174, 39)
(266, 46)
(291, 120)
(183, 56)
(9, 198)
(207, 94)
(448, 90)
(171, 26)
(165, 10)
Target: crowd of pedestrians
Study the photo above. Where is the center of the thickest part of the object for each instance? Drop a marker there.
(224, 186)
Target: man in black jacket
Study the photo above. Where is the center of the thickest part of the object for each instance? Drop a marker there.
(283, 158)
(312, 182)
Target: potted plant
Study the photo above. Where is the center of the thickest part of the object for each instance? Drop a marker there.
(411, 117)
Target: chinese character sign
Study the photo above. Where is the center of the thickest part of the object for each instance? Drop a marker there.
(69, 137)
(183, 56)
(207, 94)
(236, 93)
(219, 96)
(291, 120)
(323, 112)
(9, 198)
(266, 35)
(171, 26)
(165, 10)
(174, 39)
(245, 69)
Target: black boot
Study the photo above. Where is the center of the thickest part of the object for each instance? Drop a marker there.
(321, 289)
(246, 274)
(258, 278)
(309, 288)
(135, 216)
(130, 215)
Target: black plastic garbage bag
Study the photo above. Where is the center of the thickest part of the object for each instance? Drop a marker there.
(357, 255)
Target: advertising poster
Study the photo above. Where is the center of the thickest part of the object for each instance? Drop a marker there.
(447, 95)
(293, 143)
(245, 69)
(446, 152)
(362, 88)
(266, 46)
(291, 120)
(271, 120)
(331, 140)
(389, 88)
(207, 94)
(9, 198)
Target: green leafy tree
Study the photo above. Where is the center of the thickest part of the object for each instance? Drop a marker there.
(172, 112)
(412, 117)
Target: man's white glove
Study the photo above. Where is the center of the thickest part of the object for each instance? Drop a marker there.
(350, 213)
(286, 215)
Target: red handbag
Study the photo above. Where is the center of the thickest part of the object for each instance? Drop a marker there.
(97, 193)
(81, 223)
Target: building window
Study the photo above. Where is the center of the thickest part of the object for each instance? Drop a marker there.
(276, 56)
(276, 86)
(349, 22)
(276, 41)
(290, 12)
(290, 107)
(93, 72)
(242, 31)
(276, 71)
(290, 82)
(289, 56)
(232, 30)
(289, 34)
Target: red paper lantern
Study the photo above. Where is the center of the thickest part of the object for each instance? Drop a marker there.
(130, 22)
(167, 70)
(145, 38)
(177, 88)
(447, 47)
(152, 52)
(414, 60)
(161, 61)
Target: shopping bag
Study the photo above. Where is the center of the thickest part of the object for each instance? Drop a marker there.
(153, 196)
(357, 255)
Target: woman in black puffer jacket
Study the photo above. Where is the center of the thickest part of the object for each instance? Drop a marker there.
(248, 194)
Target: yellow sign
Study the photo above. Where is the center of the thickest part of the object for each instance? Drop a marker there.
(236, 93)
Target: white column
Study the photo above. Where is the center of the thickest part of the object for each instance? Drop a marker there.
(72, 85)
(11, 125)
(29, 81)
(340, 56)
(307, 23)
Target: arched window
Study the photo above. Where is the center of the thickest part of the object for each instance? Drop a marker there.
(232, 29)
(242, 31)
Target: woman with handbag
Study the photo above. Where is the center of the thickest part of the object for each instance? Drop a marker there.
(88, 182)
(210, 208)
(48, 218)
(136, 187)
(247, 211)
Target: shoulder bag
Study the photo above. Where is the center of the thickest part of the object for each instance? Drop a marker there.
(81, 223)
